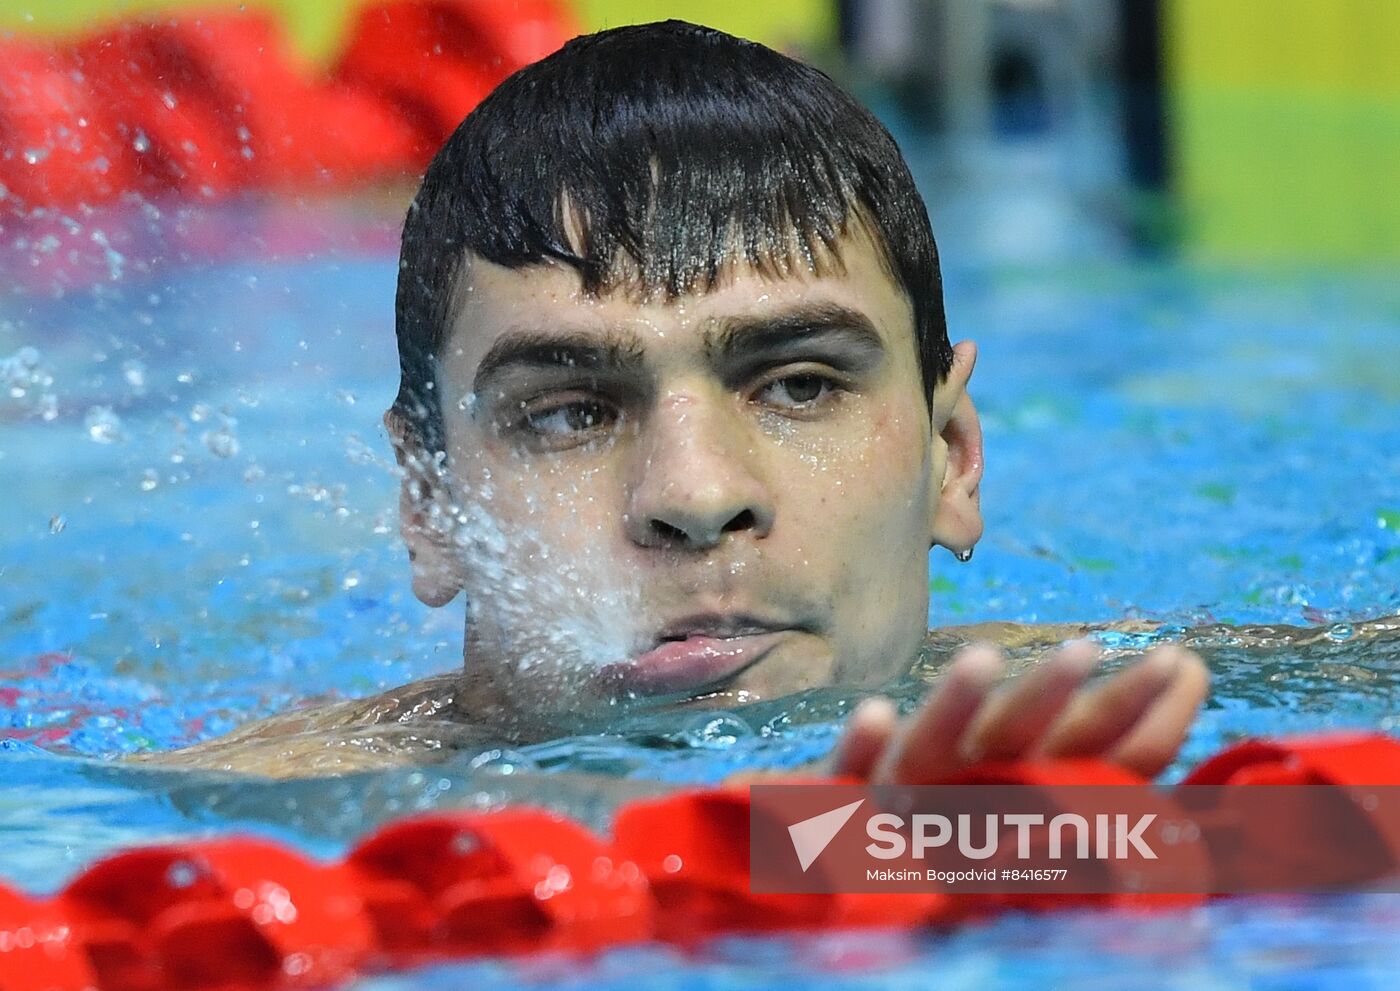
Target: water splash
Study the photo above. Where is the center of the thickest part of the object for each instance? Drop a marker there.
(556, 613)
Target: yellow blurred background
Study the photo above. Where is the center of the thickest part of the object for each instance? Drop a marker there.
(1283, 115)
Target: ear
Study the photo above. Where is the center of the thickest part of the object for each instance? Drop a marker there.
(436, 560)
(957, 463)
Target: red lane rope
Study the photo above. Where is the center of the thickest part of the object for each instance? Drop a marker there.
(248, 914)
(215, 104)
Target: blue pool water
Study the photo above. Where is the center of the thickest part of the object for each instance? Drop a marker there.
(198, 529)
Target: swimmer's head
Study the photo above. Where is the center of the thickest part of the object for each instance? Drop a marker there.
(671, 336)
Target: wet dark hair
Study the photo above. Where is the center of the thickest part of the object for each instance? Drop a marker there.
(651, 158)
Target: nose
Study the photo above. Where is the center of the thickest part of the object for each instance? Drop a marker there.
(697, 478)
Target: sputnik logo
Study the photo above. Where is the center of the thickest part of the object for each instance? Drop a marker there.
(811, 836)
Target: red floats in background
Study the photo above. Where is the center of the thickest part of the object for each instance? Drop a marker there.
(214, 104)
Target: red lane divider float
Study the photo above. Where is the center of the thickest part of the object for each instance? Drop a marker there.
(1048, 774)
(515, 881)
(214, 104)
(37, 949)
(1347, 762)
(218, 914)
(236, 914)
(688, 845)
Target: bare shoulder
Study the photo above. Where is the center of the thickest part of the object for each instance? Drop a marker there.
(1018, 636)
(412, 724)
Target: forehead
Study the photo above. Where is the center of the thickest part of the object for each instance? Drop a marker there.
(493, 301)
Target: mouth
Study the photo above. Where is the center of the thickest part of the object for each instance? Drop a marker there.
(697, 652)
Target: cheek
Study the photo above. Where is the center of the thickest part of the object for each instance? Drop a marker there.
(534, 513)
(876, 477)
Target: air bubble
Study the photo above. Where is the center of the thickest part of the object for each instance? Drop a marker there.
(57, 524)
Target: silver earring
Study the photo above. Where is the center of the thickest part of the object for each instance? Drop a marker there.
(963, 556)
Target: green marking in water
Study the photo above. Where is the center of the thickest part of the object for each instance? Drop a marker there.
(1095, 563)
(1389, 519)
(1216, 492)
(1227, 553)
(938, 583)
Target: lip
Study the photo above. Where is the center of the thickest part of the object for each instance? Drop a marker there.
(696, 652)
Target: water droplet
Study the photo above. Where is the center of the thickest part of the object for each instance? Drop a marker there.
(181, 874)
(135, 374)
(715, 730)
(140, 142)
(502, 762)
(33, 156)
(351, 580)
(103, 425)
(57, 524)
(150, 478)
(221, 442)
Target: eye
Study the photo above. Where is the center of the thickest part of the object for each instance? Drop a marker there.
(563, 421)
(800, 391)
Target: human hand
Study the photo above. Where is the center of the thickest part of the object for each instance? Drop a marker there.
(1136, 718)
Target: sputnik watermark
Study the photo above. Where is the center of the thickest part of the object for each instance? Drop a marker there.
(1073, 839)
(892, 836)
(1113, 837)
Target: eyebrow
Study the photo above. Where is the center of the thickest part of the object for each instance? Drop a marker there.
(613, 351)
(616, 351)
(802, 325)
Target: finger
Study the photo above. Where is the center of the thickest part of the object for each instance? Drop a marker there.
(1099, 718)
(927, 749)
(868, 733)
(1015, 719)
(1153, 743)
